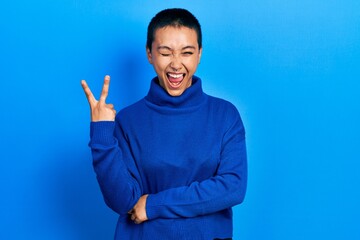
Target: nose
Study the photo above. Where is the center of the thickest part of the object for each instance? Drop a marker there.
(176, 63)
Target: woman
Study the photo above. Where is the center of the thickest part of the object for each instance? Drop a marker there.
(174, 163)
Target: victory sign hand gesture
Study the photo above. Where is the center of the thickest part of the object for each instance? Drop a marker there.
(100, 111)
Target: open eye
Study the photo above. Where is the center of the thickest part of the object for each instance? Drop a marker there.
(187, 53)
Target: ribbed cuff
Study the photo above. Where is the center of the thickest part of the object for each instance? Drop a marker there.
(153, 210)
(102, 132)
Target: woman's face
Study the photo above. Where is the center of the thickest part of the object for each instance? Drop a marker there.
(175, 55)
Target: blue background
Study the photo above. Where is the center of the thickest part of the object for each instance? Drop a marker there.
(292, 68)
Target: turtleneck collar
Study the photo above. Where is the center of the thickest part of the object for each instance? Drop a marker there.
(191, 97)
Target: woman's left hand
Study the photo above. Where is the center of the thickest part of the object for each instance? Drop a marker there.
(138, 213)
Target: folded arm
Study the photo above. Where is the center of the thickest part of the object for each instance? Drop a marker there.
(225, 189)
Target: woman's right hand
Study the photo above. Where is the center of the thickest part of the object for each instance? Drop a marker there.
(100, 111)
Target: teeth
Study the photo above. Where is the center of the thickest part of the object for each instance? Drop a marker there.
(175, 75)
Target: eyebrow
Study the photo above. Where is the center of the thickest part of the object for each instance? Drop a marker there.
(169, 48)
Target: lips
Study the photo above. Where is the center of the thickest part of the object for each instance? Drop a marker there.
(175, 79)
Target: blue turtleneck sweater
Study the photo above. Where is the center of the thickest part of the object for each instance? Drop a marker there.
(187, 152)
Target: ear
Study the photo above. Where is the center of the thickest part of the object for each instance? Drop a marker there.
(149, 55)
(200, 52)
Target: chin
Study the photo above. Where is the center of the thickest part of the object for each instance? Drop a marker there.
(175, 93)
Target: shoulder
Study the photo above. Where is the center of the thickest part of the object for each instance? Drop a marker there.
(225, 112)
(131, 112)
(222, 106)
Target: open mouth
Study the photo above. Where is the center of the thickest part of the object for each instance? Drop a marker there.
(175, 80)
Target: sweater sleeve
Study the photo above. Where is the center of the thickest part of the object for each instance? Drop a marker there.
(225, 189)
(116, 172)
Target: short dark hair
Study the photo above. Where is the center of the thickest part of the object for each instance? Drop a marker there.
(174, 17)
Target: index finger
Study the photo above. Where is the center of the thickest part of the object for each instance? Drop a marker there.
(88, 92)
(105, 89)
